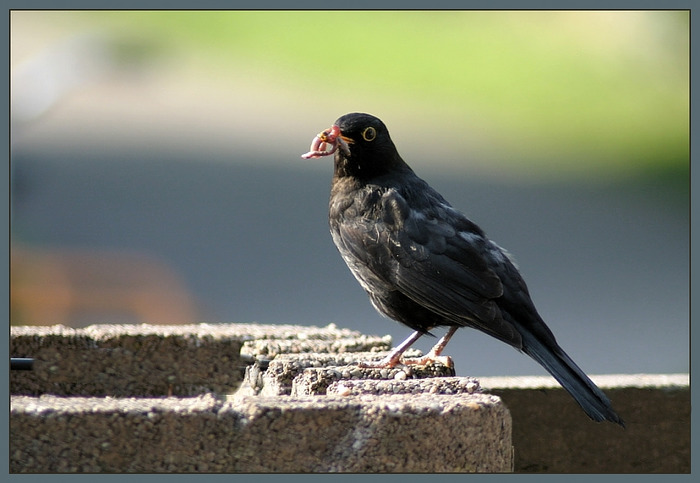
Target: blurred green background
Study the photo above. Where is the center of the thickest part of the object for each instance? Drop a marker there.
(168, 143)
(595, 93)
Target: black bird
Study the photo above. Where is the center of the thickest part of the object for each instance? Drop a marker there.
(425, 264)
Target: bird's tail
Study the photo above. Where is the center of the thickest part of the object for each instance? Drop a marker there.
(589, 396)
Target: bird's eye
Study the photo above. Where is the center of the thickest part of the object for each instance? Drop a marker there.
(369, 134)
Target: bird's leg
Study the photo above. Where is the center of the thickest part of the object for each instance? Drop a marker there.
(394, 356)
(434, 354)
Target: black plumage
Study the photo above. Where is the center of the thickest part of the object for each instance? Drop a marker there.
(425, 264)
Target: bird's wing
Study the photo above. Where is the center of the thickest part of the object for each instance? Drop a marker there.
(436, 257)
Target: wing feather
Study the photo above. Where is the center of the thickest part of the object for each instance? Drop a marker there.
(434, 258)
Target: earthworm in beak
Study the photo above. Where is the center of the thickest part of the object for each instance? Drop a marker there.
(327, 143)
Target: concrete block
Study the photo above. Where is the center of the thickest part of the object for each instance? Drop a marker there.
(161, 360)
(433, 385)
(255, 434)
(396, 433)
(311, 410)
(305, 374)
(344, 341)
(552, 435)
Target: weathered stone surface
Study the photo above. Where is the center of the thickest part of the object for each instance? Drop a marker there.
(193, 434)
(432, 385)
(425, 424)
(341, 344)
(552, 435)
(158, 360)
(305, 374)
(394, 433)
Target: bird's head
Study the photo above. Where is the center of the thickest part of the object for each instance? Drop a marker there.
(361, 144)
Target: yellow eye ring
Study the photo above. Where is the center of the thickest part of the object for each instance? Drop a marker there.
(369, 134)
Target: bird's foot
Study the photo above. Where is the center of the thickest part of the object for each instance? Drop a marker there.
(429, 359)
(392, 360)
(394, 357)
(396, 360)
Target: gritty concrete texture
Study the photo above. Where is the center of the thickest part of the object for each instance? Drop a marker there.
(291, 415)
(340, 344)
(305, 374)
(552, 435)
(313, 409)
(254, 434)
(74, 434)
(433, 385)
(316, 380)
(158, 360)
(606, 381)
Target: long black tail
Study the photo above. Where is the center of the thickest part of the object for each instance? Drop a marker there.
(589, 396)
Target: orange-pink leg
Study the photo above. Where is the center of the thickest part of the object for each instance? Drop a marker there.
(394, 358)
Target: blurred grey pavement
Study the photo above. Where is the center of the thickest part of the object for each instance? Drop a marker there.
(608, 269)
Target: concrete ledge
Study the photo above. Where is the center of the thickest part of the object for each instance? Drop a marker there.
(434, 385)
(607, 381)
(305, 374)
(161, 360)
(552, 435)
(396, 433)
(311, 410)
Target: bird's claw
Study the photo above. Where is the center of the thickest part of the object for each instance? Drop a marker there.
(429, 359)
(390, 362)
